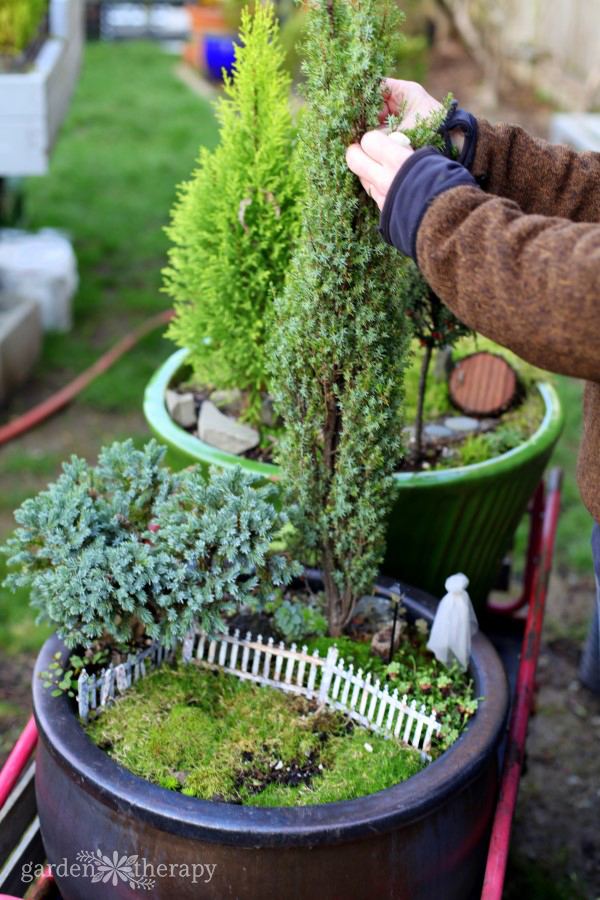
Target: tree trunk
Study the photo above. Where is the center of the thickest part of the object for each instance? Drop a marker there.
(421, 402)
(334, 601)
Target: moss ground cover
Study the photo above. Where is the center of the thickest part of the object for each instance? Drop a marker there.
(209, 735)
(215, 737)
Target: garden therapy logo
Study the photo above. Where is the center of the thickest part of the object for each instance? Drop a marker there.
(124, 869)
(136, 872)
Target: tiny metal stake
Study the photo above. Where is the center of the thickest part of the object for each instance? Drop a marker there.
(396, 597)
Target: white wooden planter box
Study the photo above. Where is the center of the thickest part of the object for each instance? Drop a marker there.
(34, 103)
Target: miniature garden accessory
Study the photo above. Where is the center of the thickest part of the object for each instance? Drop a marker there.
(325, 679)
(454, 625)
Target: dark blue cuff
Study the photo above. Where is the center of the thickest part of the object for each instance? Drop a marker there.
(425, 175)
(465, 122)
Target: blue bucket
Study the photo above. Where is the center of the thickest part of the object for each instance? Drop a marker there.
(218, 53)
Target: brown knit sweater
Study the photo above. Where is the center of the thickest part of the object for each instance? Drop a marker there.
(520, 263)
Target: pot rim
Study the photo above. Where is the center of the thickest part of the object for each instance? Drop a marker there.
(168, 431)
(217, 822)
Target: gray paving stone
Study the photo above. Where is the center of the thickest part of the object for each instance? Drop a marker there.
(437, 432)
(462, 424)
(182, 408)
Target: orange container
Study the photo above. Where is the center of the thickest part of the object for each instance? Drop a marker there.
(208, 20)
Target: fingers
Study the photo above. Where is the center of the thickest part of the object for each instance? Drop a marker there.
(384, 151)
(396, 92)
(364, 166)
(372, 191)
(376, 160)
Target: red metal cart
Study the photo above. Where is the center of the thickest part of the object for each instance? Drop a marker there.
(517, 639)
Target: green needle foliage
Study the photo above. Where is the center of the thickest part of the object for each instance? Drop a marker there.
(234, 223)
(19, 20)
(425, 132)
(340, 343)
(127, 542)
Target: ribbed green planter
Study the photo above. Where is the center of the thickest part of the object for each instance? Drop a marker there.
(455, 520)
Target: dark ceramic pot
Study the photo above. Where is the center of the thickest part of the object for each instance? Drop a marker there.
(425, 839)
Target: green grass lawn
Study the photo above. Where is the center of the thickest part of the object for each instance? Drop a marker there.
(132, 134)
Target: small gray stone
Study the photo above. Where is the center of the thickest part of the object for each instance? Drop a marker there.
(231, 400)
(224, 432)
(181, 407)
(462, 424)
(437, 432)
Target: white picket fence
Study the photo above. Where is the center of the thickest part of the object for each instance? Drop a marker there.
(94, 693)
(325, 679)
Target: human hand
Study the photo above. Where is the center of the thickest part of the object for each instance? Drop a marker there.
(418, 102)
(376, 161)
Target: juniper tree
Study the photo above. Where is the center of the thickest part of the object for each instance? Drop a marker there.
(341, 340)
(127, 542)
(234, 222)
(340, 344)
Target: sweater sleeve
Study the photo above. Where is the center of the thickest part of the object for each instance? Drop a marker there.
(544, 179)
(529, 282)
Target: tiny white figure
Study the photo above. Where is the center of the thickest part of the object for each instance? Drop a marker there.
(454, 625)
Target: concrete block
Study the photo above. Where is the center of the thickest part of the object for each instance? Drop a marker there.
(20, 342)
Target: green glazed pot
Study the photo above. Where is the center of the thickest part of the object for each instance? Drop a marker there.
(442, 522)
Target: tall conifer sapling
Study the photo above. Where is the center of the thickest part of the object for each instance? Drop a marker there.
(341, 343)
(234, 222)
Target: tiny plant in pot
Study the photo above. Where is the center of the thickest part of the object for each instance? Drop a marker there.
(434, 326)
(356, 295)
(126, 556)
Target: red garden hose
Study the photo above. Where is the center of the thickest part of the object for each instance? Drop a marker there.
(61, 398)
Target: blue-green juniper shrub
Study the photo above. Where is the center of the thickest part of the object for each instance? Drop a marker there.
(106, 548)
